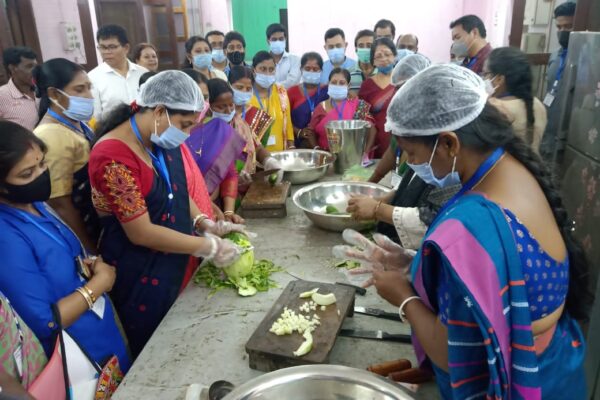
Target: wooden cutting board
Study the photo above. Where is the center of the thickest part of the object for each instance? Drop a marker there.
(269, 352)
(265, 201)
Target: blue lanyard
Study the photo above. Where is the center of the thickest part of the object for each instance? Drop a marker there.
(472, 62)
(561, 66)
(260, 101)
(474, 180)
(310, 101)
(340, 112)
(158, 162)
(243, 112)
(84, 128)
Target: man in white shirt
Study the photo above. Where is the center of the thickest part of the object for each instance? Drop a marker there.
(116, 80)
(287, 66)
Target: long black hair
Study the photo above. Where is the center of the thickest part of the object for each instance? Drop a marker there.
(217, 87)
(491, 130)
(15, 142)
(56, 73)
(513, 64)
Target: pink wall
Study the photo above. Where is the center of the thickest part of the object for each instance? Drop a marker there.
(496, 14)
(215, 15)
(48, 15)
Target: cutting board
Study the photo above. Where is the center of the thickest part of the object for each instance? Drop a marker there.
(265, 201)
(269, 352)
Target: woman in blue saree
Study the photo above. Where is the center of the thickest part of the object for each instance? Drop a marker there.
(494, 291)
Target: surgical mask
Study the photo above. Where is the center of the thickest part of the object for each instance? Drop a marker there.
(386, 70)
(277, 46)
(310, 77)
(265, 81)
(460, 48)
(225, 117)
(563, 38)
(171, 138)
(80, 108)
(403, 53)
(241, 98)
(489, 86)
(37, 190)
(337, 92)
(336, 55)
(218, 55)
(236, 57)
(364, 55)
(203, 60)
(425, 172)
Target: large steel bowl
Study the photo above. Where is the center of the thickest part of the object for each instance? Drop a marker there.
(304, 166)
(319, 382)
(314, 199)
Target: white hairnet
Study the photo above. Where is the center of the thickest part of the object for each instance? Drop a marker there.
(408, 67)
(441, 98)
(173, 89)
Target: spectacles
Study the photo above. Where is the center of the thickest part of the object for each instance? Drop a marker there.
(111, 47)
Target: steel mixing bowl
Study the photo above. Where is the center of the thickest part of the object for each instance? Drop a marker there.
(304, 166)
(314, 199)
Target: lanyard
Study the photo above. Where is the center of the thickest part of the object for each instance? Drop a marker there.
(243, 112)
(262, 107)
(398, 154)
(83, 127)
(472, 62)
(340, 112)
(310, 101)
(561, 66)
(481, 172)
(158, 162)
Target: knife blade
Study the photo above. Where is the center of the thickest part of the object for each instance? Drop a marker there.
(375, 312)
(262, 174)
(375, 335)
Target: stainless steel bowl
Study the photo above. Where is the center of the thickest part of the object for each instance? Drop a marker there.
(304, 166)
(319, 382)
(314, 199)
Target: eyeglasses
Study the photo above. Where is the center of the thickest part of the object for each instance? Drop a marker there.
(108, 48)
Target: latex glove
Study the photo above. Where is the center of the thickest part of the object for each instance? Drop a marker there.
(222, 252)
(221, 228)
(362, 208)
(244, 178)
(272, 163)
(382, 255)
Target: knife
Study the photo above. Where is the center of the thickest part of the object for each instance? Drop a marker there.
(375, 335)
(262, 174)
(375, 312)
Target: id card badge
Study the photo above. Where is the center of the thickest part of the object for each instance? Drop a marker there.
(272, 141)
(396, 180)
(99, 307)
(549, 99)
(18, 356)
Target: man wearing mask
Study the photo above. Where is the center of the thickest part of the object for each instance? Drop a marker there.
(407, 44)
(335, 46)
(363, 70)
(563, 17)
(384, 28)
(468, 34)
(287, 66)
(235, 50)
(216, 40)
(17, 101)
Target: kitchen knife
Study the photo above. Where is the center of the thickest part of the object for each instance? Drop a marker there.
(262, 174)
(375, 335)
(375, 312)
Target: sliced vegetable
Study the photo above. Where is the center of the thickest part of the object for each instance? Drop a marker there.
(306, 346)
(324, 299)
(331, 210)
(246, 292)
(306, 295)
(272, 179)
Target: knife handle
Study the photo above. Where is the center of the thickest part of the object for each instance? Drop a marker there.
(397, 337)
(389, 315)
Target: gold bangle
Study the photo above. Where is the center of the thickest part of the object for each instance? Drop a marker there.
(86, 297)
(376, 209)
(90, 292)
(199, 218)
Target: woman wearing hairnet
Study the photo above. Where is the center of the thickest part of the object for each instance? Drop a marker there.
(143, 198)
(495, 289)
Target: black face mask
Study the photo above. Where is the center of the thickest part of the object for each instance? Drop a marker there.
(563, 38)
(36, 190)
(236, 58)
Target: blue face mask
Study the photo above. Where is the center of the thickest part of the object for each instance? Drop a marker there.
(425, 172)
(364, 55)
(310, 77)
(241, 98)
(337, 92)
(277, 46)
(336, 55)
(218, 55)
(265, 81)
(386, 70)
(225, 117)
(403, 53)
(171, 138)
(80, 108)
(203, 60)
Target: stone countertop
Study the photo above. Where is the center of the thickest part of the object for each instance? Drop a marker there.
(202, 339)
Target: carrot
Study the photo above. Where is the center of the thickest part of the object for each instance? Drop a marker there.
(384, 369)
(413, 375)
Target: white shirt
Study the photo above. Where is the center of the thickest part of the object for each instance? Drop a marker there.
(111, 88)
(287, 70)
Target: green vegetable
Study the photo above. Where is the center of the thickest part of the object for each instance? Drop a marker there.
(243, 266)
(331, 210)
(272, 179)
(348, 264)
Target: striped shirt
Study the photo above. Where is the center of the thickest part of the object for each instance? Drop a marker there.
(17, 107)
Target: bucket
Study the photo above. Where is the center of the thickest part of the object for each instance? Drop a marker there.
(347, 140)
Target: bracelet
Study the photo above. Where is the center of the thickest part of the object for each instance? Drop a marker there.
(90, 292)
(86, 297)
(228, 213)
(376, 209)
(199, 218)
(404, 303)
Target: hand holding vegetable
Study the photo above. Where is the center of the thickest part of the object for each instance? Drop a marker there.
(363, 208)
(245, 178)
(221, 228)
(272, 163)
(222, 252)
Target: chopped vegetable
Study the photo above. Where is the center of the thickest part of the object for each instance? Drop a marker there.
(272, 179)
(323, 308)
(324, 299)
(306, 346)
(348, 264)
(306, 295)
(331, 210)
(289, 322)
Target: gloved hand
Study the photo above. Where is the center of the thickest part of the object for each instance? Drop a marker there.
(272, 163)
(245, 178)
(382, 255)
(221, 228)
(222, 252)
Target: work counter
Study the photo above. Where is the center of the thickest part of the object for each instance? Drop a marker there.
(202, 338)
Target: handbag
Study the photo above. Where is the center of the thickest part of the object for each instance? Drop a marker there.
(52, 383)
